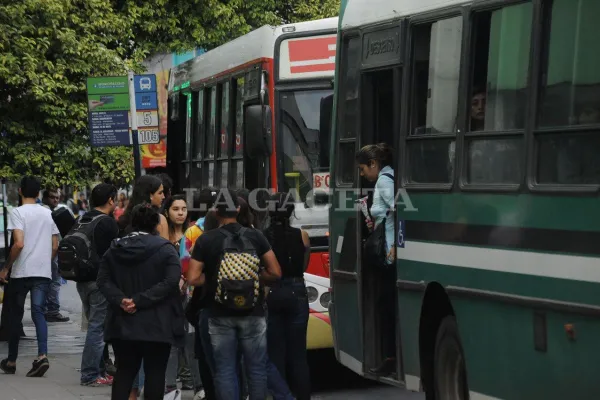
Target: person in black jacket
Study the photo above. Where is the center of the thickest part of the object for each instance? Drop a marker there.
(139, 275)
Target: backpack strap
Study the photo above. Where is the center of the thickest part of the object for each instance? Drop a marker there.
(391, 177)
(388, 175)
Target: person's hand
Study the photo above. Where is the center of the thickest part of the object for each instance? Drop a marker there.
(183, 285)
(370, 224)
(3, 275)
(128, 306)
(392, 254)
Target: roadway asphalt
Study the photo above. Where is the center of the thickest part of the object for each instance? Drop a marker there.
(330, 380)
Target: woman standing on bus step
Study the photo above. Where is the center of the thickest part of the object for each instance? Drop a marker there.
(375, 164)
(287, 301)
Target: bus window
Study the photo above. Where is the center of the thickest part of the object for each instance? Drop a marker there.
(436, 72)
(200, 128)
(223, 145)
(209, 151)
(238, 144)
(224, 137)
(570, 95)
(303, 140)
(499, 94)
(348, 118)
(351, 83)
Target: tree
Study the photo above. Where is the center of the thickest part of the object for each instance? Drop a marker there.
(49, 47)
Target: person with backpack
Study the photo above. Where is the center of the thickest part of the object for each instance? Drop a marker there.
(139, 276)
(229, 262)
(79, 255)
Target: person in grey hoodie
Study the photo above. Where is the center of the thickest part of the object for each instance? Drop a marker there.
(139, 276)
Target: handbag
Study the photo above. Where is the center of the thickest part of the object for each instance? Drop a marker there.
(375, 249)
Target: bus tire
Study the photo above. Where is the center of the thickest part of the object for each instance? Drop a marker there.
(450, 373)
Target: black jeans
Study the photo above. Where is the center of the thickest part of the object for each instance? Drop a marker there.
(286, 334)
(130, 355)
(386, 304)
(204, 367)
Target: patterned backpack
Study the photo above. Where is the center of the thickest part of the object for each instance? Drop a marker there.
(238, 285)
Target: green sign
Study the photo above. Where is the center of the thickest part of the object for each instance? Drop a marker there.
(109, 84)
(108, 102)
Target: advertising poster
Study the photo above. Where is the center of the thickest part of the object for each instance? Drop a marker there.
(155, 155)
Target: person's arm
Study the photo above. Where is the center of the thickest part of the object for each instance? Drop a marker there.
(195, 273)
(106, 231)
(272, 271)
(306, 241)
(165, 288)
(111, 292)
(163, 227)
(15, 250)
(54, 246)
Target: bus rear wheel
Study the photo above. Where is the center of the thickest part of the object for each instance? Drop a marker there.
(450, 375)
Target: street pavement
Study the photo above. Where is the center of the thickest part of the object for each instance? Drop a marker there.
(331, 381)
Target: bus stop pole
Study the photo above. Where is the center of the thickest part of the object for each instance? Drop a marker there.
(5, 215)
(134, 140)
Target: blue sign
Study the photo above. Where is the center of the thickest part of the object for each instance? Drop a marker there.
(144, 83)
(401, 233)
(146, 101)
(109, 128)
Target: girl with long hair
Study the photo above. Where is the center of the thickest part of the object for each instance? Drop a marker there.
(147, 189)
(139, 277)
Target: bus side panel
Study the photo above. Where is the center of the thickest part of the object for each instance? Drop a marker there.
(503, 357)
(499, 345)
(409, 312)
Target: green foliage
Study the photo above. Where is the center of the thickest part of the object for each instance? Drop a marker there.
(49, 47)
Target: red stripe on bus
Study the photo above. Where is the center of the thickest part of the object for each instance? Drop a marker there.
(312, 49)
(313, 68)
(321, 316)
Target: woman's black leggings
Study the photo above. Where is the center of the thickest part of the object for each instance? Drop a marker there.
(130, 355)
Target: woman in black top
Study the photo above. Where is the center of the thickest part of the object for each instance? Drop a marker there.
(139, 276)
(288, 300)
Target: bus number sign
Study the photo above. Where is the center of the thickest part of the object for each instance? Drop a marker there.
(321, 182)
(148, 136)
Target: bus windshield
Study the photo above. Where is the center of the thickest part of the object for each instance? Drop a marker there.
(305, 134)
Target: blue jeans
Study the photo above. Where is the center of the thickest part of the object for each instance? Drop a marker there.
(95, 308)
(288, 323)
(52, 301)
(249, 334)
(39, 291)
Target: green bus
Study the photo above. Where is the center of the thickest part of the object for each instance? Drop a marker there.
(493, 110)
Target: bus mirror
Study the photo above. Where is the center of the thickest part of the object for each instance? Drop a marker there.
(257, 121)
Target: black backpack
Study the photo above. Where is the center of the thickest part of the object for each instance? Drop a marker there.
(238, 285)
(77, 257)
(375, 247)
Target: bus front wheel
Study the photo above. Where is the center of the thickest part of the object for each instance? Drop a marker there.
(450, 375)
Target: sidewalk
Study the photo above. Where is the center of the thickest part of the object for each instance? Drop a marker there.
(61, 382)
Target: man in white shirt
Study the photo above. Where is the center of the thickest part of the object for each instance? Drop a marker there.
(35, 244)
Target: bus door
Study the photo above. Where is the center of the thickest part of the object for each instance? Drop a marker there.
(345, 308)
(379, 122)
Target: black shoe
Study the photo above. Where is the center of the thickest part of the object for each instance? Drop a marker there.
(111, 369)
(57, 318)
(8, 369)
(386, 368)
(39, 368)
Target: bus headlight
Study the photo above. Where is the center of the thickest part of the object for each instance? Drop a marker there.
(325, 297)
(313, 294)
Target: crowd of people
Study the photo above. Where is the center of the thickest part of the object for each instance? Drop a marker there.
(211, 297)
